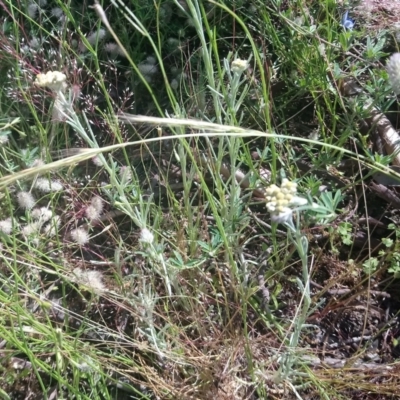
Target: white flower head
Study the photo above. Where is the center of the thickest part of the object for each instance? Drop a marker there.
(80, 236)
(393, 70)
(146, 236)
(238, 66)
(53, 80)
(282, 200)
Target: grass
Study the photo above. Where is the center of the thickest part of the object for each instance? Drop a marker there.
(178, 283)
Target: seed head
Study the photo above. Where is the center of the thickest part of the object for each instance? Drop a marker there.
(6, 226)
(80, 236)
(31, 229)
(97, 161)
(51, 228)
(113, 49)
(26, 200)
(57, 12)
(393, 70)
(42, 214)
(3, 139)
(97, 203)
(147, 69)
(32, 10)
(46, 185)
(90, 279)
(98, 35)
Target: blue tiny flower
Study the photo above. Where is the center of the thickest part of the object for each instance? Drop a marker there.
(347, 22)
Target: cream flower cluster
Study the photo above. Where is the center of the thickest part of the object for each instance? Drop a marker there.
(238, 66)
(53, 80)
(281, 199)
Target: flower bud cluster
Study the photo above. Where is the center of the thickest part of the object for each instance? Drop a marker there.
(238, 66)
(281, 199)
(53, 80)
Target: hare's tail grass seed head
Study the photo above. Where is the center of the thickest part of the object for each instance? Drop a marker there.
(26, 200)
(95, 208)
(393, 70)
(41, 214)
(6, 226)
(80, 236)
(46, 185)
(89, 278)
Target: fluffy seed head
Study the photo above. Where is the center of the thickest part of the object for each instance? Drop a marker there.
(95, 208)
(51, 228)
(32, 10)
(393, 70)
(90, 279)
(99, 35)
(147, 69)
(26, 200)
(113, 49)
(57, 12)
(97, 161)
(31, 229)
(42, 214)
(3, 139)
(46, 185)
(91, 213)
(6, 226)
(97, 203)
(125, 174)
(79, 236)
